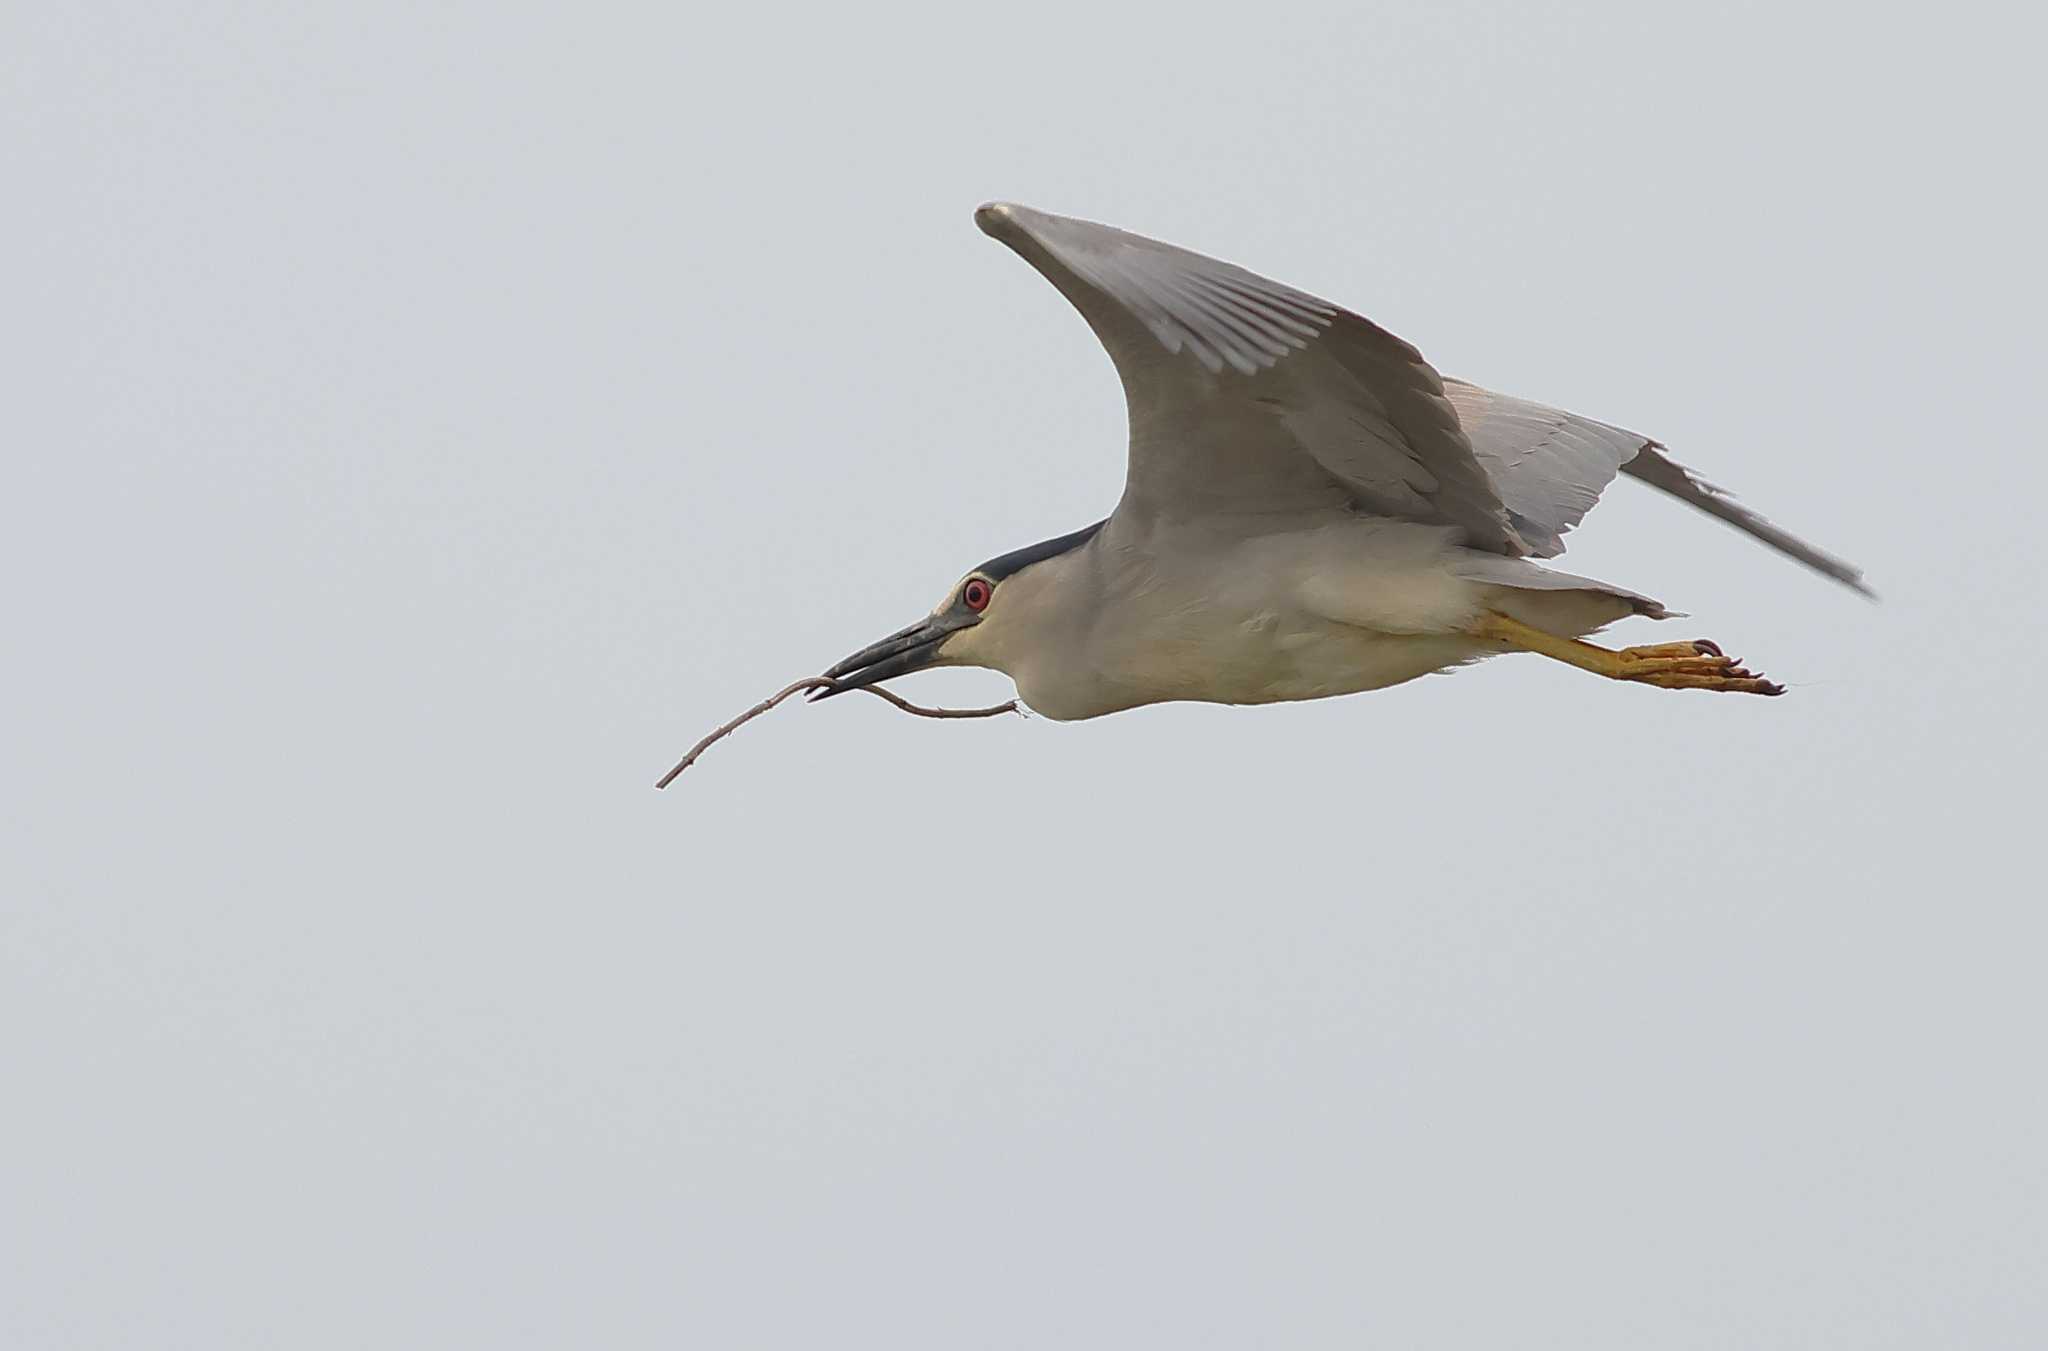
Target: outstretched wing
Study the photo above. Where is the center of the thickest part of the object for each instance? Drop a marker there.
(1659, 470)
(1551, 466)
(1249, 397)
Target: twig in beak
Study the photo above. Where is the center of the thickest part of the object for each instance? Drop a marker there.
(822, 682)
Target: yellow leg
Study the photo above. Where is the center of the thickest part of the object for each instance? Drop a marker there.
(1671, 666)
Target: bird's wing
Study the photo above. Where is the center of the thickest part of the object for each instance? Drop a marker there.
(1551, 466)
(1250, 397)
(1659, 470)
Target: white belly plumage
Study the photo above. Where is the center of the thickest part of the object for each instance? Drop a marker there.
(1358, 604)
(1265, 659)
(1309, 658)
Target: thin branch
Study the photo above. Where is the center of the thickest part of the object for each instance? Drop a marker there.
(825, 683)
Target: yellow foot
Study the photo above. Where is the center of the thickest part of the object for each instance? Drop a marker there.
(1695, 671)
(1697, 665)
(1698, 647)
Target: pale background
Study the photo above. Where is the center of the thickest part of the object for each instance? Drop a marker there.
(421, 422)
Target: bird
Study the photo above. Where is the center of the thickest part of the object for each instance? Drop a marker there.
(1309, 510)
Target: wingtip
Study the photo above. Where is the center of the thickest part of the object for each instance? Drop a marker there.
(1835, 570)
(995, 218)
(1655, 467)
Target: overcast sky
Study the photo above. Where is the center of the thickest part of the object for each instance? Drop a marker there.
(422, 422)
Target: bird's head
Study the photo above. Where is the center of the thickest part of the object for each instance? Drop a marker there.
(993, 617)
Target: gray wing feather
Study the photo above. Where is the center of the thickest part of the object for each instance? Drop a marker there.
(1551, 466)
(1219, 314)
(1659, 470)
(1289, 402)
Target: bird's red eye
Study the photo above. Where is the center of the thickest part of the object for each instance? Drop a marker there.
(975, 595)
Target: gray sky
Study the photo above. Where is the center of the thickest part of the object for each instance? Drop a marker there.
(423, 422)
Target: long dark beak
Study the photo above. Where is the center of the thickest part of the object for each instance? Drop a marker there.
(906, 650)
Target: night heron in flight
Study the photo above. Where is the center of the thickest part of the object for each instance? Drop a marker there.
(1309, 509)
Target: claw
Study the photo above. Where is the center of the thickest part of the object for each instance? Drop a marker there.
(1699, 665)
